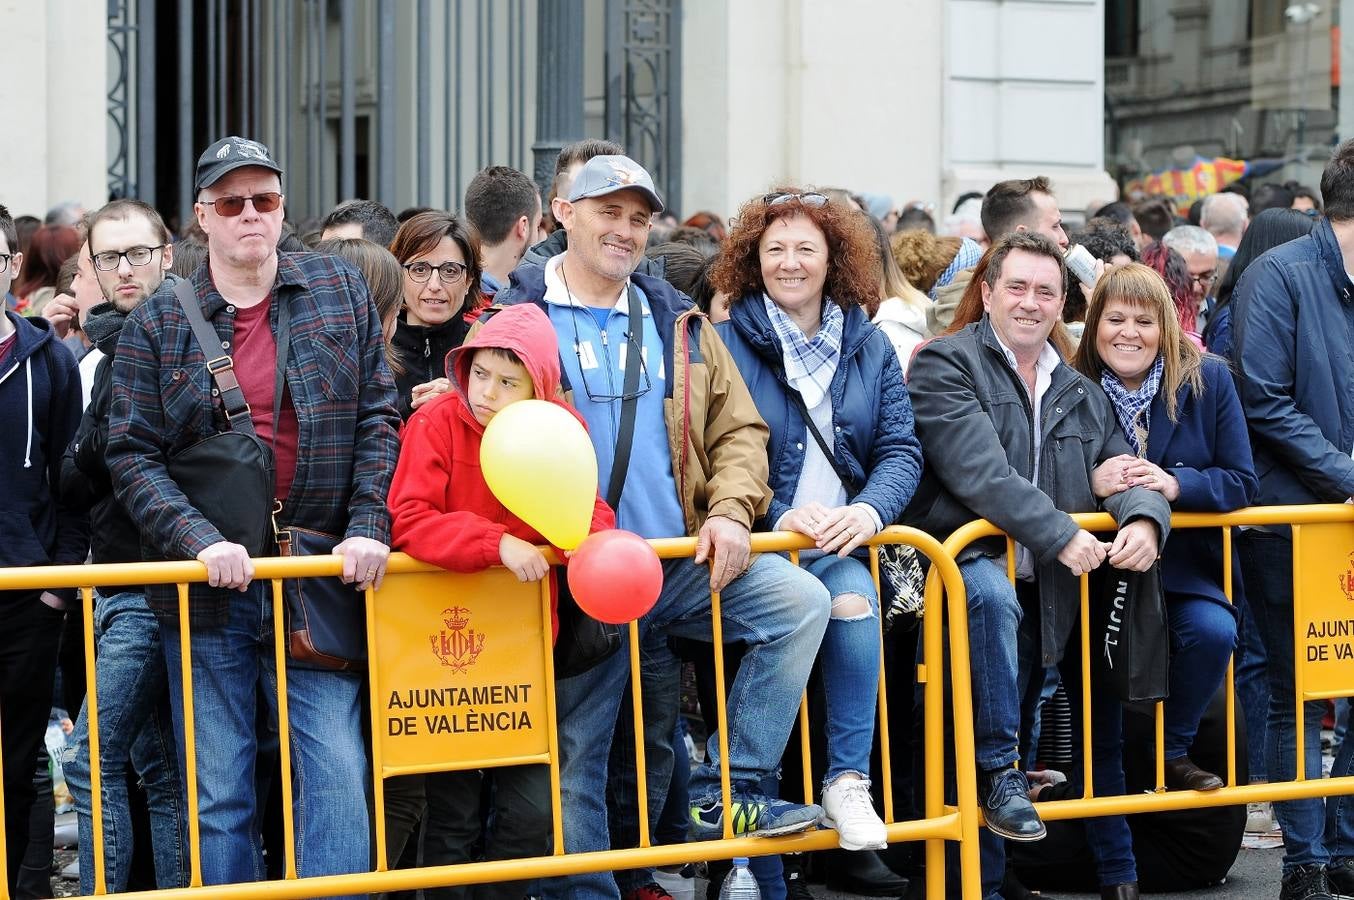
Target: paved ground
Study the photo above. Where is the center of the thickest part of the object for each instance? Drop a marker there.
(1254, 876)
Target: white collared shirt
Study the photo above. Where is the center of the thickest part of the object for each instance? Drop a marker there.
(1043, 379)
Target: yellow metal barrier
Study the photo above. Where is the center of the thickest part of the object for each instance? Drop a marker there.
(1323, 554)
(939, 824)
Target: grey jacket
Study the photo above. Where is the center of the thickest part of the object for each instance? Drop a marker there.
(975, 422)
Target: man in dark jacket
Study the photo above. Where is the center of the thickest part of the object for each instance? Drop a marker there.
(39, 411)
(130, 247)
(1294, 314)
(983, 391)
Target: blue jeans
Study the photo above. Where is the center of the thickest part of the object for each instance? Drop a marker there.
(1203, 636)
(136, 729)
(232, 665)
(1251, 676)
(1315, 830)
(1008, 682)
(779, 610)
(994, 617)
(850, 654)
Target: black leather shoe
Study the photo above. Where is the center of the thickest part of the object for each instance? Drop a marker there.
(1305, 883)
(1126, 891)
(863, 872)
(1183, 775)
(1007, 808)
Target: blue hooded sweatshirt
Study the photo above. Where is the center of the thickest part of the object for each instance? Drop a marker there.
(40, 406)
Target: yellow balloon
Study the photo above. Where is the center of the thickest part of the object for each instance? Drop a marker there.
(540, 464)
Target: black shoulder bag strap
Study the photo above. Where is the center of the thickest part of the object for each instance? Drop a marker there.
(625, 438)
(798, 399)
(283, 348)
(219, 363)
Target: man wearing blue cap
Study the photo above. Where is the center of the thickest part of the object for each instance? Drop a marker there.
(681, 430)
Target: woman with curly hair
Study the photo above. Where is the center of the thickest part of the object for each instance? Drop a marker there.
(843, 457)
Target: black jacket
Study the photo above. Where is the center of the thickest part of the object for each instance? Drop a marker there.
(975, 422)
(422, 352)
(85, 481)
(39, 414)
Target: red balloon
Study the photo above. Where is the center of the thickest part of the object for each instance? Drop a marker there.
(615, 576)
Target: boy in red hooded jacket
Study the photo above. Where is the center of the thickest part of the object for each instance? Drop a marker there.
(442, 512)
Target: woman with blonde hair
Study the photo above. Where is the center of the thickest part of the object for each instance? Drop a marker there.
(900, 310)
(1179, 410)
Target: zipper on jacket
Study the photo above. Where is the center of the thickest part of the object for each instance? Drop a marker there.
(427, 357)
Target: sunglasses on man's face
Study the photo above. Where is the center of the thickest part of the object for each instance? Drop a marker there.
(229, 207)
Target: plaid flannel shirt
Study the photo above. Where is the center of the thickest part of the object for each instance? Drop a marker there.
(164, 401)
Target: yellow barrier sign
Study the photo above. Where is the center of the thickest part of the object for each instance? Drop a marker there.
(1324, 609)
(461, 670)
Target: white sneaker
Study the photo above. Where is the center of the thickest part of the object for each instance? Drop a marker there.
(847, 807)
(1260, 818)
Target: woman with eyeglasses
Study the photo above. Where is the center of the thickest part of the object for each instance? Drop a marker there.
(440, 258)
(843, 457)
(1179, 410)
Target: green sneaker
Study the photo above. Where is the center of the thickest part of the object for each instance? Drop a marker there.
(753, 814)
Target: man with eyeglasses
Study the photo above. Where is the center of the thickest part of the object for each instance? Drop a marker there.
(131, 254)
(39, 412)
(334, 447)
(1200, 250)
(696, 465)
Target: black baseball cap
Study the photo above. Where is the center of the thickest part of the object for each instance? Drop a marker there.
(229, 154)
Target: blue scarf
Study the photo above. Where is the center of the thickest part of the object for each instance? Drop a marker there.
(809, 364)
(966, 258)
(1133, 408)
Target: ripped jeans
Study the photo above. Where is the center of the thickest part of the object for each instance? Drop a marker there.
(850, 661)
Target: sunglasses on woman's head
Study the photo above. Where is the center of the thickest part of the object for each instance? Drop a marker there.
(808, 198)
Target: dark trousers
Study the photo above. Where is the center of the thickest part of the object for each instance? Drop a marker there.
(27, 673)
(518, 825)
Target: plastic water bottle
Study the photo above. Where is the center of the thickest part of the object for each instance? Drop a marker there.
(740, 883)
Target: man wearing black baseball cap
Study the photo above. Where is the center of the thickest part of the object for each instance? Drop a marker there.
(334, 446)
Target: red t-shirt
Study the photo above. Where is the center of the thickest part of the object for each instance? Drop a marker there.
(7, 346)
(255, 355)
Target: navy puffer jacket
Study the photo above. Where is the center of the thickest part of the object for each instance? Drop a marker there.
(871, 413)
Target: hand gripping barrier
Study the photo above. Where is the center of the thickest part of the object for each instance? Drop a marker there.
(1323, 586)
(425, 620)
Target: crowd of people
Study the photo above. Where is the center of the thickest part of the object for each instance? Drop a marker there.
(822, 363)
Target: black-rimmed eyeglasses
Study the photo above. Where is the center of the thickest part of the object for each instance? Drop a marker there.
(4, 262)
(448, 272)
(109, 260)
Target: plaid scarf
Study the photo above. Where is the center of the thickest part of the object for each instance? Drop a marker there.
(965, 258)
(1133, 408)
(809, 364)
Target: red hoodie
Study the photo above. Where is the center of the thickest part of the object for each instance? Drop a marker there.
(442, 510)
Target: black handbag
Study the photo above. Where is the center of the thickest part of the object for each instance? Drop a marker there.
(326, 618)
(1130, 637)
(228, 476)
(583, 641)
